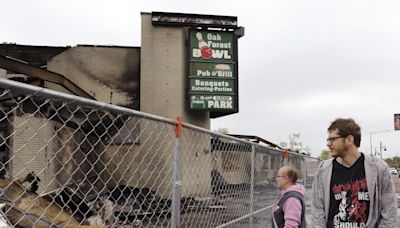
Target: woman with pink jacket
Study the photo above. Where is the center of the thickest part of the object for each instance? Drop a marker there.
(289, 211)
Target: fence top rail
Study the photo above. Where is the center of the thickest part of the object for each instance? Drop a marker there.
(35, 90)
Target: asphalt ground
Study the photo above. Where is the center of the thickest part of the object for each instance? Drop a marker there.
(232, 205)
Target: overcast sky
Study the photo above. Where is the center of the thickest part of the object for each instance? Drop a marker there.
(302, 63)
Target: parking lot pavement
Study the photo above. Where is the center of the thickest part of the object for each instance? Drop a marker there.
(308, 200)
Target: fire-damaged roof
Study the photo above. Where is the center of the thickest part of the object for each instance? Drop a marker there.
(37, 56)
(256, 139)
(223, 144)
(34, 65)
(18, 66)
(32, 61)
(220, 144)
(184, 19)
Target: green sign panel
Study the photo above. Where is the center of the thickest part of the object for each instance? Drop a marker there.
(220, 70)
(212, 71)
(211, 102)
(212, 46)
(213, 86)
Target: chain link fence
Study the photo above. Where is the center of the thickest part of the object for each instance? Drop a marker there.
(66, 161)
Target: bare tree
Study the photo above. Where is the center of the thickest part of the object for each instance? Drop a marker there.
(222, 130)
(294, 144)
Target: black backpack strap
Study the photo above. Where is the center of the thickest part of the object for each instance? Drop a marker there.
(300, 197)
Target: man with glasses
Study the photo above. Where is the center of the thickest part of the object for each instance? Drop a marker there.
(289, 211)
(352, 189)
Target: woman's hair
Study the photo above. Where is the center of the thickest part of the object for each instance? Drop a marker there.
(292, 173)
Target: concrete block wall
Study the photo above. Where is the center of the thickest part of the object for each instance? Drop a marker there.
(33, 150)
(163, 73)
(110, 74)
(162, 92)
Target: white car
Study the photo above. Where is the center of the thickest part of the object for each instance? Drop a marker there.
(393, 172)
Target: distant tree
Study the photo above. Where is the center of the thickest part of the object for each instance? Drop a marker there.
(393, 162)
(294, 144)
(325, 154)
(222, 130)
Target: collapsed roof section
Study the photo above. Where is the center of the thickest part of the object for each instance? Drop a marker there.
(36, 56)
(20, 67)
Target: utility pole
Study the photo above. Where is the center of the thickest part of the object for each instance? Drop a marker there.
(382, 149)
(370, 137)
(370, 142)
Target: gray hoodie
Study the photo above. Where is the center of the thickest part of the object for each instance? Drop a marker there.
(383, 203)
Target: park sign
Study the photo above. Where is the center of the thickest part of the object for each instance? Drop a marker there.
(211, 102)
(212, 71)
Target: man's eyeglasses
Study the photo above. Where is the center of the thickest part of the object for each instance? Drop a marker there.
(331, 139)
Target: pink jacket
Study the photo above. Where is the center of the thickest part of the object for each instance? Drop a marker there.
(292, 207)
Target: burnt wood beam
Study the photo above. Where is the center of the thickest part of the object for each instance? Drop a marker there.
(26, 69)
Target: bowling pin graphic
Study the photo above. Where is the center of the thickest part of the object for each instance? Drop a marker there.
(206, 52)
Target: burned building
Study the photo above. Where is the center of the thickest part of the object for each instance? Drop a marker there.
(58, 143)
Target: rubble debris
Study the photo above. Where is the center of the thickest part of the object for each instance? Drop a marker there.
(132, 204)
(26, 209)
(220, 186)
(33, 182)
(69, 200)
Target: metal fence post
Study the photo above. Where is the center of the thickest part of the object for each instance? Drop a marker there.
(252, 179)
(176, 194)
(306, 174)
(285, 157)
